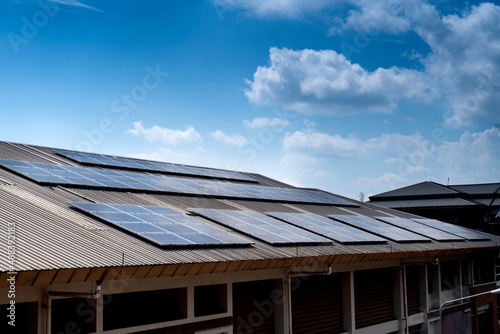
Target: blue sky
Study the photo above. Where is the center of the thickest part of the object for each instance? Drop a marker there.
(347, 96)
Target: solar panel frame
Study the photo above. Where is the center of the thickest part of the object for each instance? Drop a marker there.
(380, 228)
(180, 229)
(260, 226)
(328, 228)
(151, 166)
(451, 228)
(421, 229)
(162, 183)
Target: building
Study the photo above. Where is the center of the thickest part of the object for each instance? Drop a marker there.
(104, 244)
(475, 206)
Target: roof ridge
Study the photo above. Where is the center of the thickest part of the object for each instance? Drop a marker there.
(446, 187)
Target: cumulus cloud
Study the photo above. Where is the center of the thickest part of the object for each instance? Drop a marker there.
(232, 140)
(264, 122)
(465, 60)
(465, 51)
(325, 82)
(164, 135)
(461, 70)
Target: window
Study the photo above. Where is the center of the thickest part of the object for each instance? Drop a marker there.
(210, 299)
(142, 308)
(450, 275)
(73, 315)
(484, 270)
(26, 318)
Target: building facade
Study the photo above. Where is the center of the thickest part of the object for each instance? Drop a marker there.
(264, 257)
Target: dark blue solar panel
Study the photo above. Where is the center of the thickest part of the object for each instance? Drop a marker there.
(141, 227)
(382, 229)
(419, 228)
(97, 159)
(167, 239)
(129, 180)
(260, 226)
(162, 225)
(454, 229)
(327, 227)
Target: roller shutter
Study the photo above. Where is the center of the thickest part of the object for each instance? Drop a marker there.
(253, 309)
(413, 290)
(317, 304)
(373, 293)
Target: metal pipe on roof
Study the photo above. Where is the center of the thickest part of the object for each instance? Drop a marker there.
(48, 312)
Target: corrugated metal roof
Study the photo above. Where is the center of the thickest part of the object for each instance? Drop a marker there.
(52, 235)
(423, 203)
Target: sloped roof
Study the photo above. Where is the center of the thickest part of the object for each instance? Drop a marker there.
(433, 195)
(473, 189)
(426, 203)
(52, 236)
(420, 189)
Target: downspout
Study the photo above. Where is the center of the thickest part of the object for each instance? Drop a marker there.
(405, 300)
(405, 292)
(291, 274)
(48, 296)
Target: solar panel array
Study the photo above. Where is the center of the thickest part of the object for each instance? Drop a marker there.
(162, 225)
(380, 228)
(327, 227)
(69, 175)
(261, 227)
(422, 229)
(97, 159)
(457, 230)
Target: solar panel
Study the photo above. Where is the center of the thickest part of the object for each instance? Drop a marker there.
(56, 174)
(97, 159)
(421, 229)
(380, 228)
(454, 229)
(261, 227)
(161, 225)
(327, 227)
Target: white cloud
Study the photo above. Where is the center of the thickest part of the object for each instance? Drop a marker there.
(165, 136)
(325, 82)
(173, 156)
(465, 51)
(232, 140)
(280, 8)
(73, 3)
(313, 146)
(465, 60)
(474, 158)
(387, 181)
(373, 17)
(461, 70)
(264, 122)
